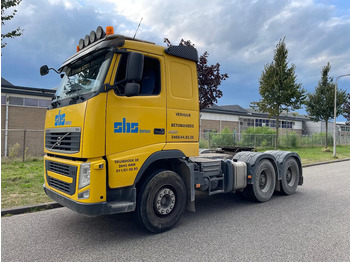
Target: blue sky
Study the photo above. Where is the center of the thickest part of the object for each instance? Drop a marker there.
(239, 34)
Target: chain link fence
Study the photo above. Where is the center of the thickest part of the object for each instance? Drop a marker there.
(22, 144)
(215, 140)
(27, 144)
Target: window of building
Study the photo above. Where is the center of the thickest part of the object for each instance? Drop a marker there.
(44, 103)
(258, 122)
(3, 100)
(16, 101)
(250, 122)
(31, 102)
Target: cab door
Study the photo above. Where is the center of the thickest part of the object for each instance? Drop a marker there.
(135, 126)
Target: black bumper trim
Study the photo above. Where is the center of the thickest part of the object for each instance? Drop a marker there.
(93, 210)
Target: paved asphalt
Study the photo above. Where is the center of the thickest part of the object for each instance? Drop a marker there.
(311, 225)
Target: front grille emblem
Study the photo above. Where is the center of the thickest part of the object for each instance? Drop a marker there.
(59, 140)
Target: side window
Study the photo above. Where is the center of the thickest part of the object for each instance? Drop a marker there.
(150, 82)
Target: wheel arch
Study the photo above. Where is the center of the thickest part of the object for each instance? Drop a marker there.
(281, 158)
(252, 159)
(173, 160)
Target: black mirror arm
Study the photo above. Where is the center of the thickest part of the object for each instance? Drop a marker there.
(110, 87)
(54, 70)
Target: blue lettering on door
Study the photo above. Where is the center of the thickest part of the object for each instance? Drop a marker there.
(126, 127)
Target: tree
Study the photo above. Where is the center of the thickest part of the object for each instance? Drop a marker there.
(209, 77)
(278, 87)
(346, 109)
(320, 105)
(5, 4)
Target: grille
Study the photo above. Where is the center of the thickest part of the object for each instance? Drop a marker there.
(63, 140)
(58, 168)
(60, 185)
(65, 170)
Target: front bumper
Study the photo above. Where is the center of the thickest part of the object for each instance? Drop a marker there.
(92, 209)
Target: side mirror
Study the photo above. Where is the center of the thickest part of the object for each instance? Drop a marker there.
(44, 70)
(134, 68)
(132, 89)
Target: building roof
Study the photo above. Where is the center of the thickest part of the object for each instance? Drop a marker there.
(8, 88)
(5, 82)
(249, 112)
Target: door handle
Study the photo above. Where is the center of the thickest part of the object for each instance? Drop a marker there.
(159, 131)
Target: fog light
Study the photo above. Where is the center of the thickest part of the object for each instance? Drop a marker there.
(84, 175)
(81, 43)
(84, 195)
(87, 40)
(100, 33)
(92, 36)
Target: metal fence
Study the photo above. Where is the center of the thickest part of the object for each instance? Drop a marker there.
(26, 144)
(22, 144)
(215, 140)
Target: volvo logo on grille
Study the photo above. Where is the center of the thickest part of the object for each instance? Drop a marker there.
(59, 140)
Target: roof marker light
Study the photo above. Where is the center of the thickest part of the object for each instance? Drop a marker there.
(78, 49)
(109, 30)
(99, 33)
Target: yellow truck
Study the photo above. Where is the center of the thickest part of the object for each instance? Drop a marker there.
(122, 132)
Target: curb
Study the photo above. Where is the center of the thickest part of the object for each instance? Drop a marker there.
(27, 209)
(51, 205)
(327, 162)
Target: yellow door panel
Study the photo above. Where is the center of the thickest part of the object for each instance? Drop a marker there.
(135, 123)
(123, 167)
(182, 125)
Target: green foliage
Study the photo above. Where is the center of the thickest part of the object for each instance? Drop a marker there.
(320, 105)
(14, 150)
(346, 109)
(278, 87)
(226, 138)
(22, 183)
(203, 143)
(315, 140)
(258, 137)
(6, 4)
(290, 140)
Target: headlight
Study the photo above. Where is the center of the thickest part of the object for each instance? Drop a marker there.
(84, 175)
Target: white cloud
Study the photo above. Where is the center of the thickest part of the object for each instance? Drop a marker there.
(239, 34)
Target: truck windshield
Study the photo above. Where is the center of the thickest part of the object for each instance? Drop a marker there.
(84, 76)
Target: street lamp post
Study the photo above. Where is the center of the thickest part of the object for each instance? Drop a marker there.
(335, 113)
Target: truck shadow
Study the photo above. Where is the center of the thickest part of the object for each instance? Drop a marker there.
(124, 227)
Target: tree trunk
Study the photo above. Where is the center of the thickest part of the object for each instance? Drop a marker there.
(277, 131)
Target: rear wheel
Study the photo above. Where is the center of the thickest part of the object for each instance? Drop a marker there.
(290, 177)
(264, 181)
(161, 201)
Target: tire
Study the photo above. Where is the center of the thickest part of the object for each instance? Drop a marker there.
(264, 181)
(290, 177)
(161, 201)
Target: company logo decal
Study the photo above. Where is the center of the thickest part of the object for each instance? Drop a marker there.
(60, 119)
(128, 127)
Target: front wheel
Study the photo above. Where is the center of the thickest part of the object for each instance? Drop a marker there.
(161, 201)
